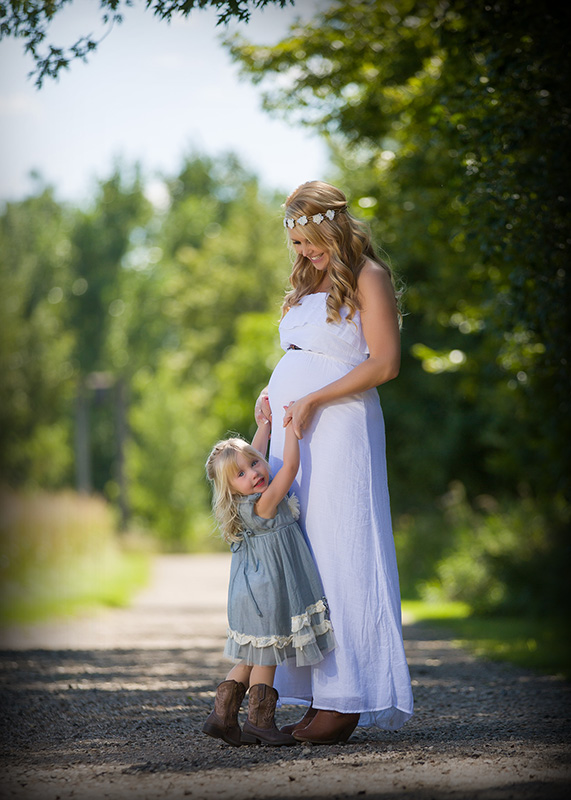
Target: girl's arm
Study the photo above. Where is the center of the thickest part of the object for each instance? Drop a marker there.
(379, 320)
(283, 479)
(262, 437)
(262, 410)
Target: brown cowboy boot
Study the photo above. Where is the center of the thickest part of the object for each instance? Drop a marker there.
(222, 723)
(302, 723)
(260, 727)
(328, 727)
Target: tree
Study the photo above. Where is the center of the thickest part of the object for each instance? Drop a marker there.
(449, 123)
(207, 277)
(29, 21)
(98, 309)
(36, 343)
(100, 240)
(459, 112)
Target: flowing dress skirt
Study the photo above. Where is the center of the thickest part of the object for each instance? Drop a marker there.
(345, 516)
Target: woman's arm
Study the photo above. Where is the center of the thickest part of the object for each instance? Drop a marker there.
(283, 479)
(379, 320)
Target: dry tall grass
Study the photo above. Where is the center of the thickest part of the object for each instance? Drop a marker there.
(58, 550)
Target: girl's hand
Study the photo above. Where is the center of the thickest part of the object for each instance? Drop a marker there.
(286, 422)
(299, 414)
(262, 410)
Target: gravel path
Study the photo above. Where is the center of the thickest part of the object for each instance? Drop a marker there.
(112, 707)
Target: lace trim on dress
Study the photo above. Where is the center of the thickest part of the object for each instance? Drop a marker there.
(280, 641)
(304, 630)
(293, 505)
(303, 620)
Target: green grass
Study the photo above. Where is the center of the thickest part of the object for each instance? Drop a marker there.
(60, 555)
(536, 643)
(80, 594)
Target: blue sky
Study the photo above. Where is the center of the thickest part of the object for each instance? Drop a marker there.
(151, 93)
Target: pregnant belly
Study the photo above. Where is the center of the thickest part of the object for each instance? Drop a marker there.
(299, 372)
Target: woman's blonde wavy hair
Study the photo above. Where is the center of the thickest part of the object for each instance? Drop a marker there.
(221, 468)
(345, 238)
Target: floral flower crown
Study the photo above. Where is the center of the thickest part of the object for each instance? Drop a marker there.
(289, 222)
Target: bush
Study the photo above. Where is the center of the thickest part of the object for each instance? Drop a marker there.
(494, 557)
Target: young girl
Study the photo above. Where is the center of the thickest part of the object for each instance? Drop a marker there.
(276, 607)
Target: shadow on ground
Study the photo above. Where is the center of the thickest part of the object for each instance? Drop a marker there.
(144, 709)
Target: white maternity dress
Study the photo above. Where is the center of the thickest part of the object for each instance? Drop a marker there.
(345, 515)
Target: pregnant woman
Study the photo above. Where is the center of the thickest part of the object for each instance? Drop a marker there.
(340, 333)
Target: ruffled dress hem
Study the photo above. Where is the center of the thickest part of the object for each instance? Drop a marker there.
(311, 638)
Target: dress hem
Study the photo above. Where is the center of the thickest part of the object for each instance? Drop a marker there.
(389, 713)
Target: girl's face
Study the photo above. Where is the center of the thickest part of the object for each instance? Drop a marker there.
(302, 246)
(253, 475)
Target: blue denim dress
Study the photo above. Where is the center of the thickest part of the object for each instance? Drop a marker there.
(276, 606)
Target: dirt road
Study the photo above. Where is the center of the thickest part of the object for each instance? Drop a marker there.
(112, 707)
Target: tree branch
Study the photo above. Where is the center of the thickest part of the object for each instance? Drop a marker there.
(29, 20)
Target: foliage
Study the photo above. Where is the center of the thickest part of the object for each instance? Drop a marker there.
(533, 642)
(178, 304)
(99, 241)
(449, 123)
(168, 423)
(215, 274)
(459, 109)
(244, 371)
(448, 126)
(36, 342)
(178, 420)
(493, 558)
(29, 20)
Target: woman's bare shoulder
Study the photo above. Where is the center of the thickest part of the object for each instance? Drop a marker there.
(373, 276)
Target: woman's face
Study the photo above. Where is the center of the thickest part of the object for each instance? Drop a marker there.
(302, 246)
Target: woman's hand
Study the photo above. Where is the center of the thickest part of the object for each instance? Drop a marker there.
(262, 410)
(299, 415)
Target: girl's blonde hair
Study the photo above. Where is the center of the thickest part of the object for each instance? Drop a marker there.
(345, 238)
(221, 468)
